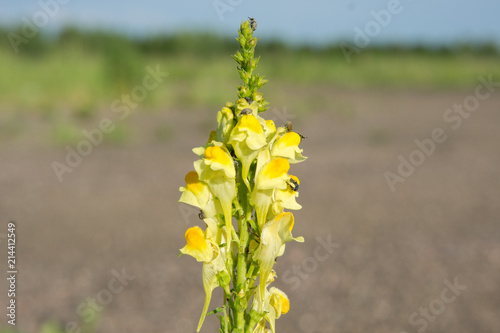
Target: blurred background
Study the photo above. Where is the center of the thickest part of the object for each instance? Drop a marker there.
(101, 103)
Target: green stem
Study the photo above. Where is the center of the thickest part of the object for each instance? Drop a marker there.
(240, 287)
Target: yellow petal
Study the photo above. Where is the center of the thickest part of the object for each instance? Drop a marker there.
(251, 123)
(218, 155)
(198, 246)
(192, 182)
(273, 174)
(219, 159)
(276, 168)
(287, 146)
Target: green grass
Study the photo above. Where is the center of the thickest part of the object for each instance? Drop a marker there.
(69, 88)
(75, 82)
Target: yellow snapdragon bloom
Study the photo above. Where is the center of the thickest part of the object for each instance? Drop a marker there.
(272, 176)
(278, 304)
(273, 237)
(287, 198)
(287, 146)
(242, 170)
(198, 244)
(247, 138)
(201, 246)
(216, 169)
(198, 194)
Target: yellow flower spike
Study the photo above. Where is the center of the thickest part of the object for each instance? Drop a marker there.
(274, 235)
(217, 170)
(220, 159)
(198, 245)
(287, 146)
(247, 138)
(246, 146)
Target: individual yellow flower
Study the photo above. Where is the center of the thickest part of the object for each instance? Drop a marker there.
(269, 129)
(278, 304)
(279, 300)
(198, 244)
(216, 169)
(247, 138)
(273, 237)
(201, 246)
(198, 194)
(287, 146)
(286, 199)
(270, 177)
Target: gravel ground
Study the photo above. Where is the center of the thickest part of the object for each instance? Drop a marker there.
(103, 242)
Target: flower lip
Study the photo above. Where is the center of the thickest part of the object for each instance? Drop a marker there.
(250, 122)
(217, 154)
(195, 238)
(277, 167)
(285, 305)
(290, 139)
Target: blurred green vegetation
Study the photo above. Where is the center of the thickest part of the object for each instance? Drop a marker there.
(83, 70)
(70, 79)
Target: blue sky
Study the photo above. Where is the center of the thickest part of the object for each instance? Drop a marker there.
(318, 21)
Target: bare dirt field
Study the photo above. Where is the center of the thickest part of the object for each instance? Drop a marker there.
(422, 258)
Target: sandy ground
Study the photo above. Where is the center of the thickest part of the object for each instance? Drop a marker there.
(394, 258)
